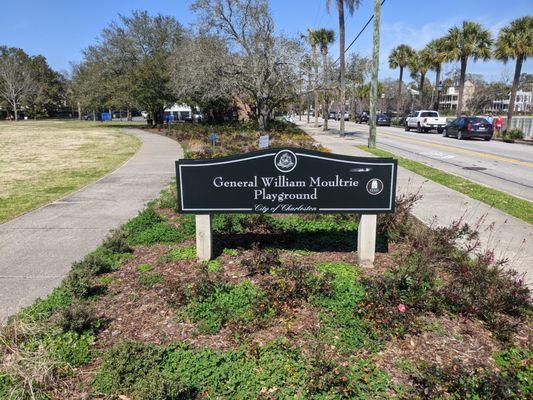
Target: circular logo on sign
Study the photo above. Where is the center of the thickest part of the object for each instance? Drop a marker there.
(285, 161)
(374, 186)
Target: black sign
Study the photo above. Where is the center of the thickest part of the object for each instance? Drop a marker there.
(287, 180)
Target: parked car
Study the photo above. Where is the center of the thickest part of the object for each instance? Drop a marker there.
(332, 115)
(469, 127)
(382, 120)
(424, 121)
(346, 116)
(363, 117)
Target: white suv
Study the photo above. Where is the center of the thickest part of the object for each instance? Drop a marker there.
(424, 121)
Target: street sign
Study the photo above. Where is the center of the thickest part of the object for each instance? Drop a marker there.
(213, 137)
(287, 180)
(263, 142)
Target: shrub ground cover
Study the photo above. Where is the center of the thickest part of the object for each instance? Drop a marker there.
(282, 312)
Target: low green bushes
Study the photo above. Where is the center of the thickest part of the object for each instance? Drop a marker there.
(149, 227)
(512, 134)
(437, 276)
(276, 370)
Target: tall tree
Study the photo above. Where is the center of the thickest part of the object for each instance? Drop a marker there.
(312, 39)
(132, 55)
(306, 66)
(325, 37)
(374, 81)
(200, 78)
(515, 41)
(470, 40)
(351, 5)
(49, 93)
(436, 53)
(358, 69)
(17, 83)
(419, 64)
(399, 58)
(264, 65)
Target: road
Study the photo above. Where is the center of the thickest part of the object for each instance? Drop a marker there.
(504, 166)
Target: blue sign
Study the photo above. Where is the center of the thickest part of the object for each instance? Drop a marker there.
(106, 117)
(213, 137)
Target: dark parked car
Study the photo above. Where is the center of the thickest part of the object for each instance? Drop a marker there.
(382, 120)
(469, 127)
(362, 117)
(332, 115)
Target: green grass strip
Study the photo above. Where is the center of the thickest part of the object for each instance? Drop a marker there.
(511, 205)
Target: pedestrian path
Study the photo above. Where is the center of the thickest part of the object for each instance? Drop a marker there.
(508, 236)
(38, 248)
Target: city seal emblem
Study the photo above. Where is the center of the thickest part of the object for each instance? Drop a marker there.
(374, 186)
(285, 161)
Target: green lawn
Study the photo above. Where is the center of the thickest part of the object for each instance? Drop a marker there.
(41, 161)
(511, 205)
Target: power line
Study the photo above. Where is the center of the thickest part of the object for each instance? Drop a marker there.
(359, 34)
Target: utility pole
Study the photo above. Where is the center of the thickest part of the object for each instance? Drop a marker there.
(374, 84)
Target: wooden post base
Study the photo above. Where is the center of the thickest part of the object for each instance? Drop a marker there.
(366, 240)
(204, 238)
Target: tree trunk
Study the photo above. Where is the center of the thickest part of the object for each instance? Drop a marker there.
(421, 88)
(399, 101)
(159, 117)
(129, 114)
(308, 108)
(79, 110)
(340, 4)
(461, 86)
(110, 115)
(94, 115)
(325, 110)
(516, 80)
(437, 84)
(374, 82)
(315, 62)
(15, 112)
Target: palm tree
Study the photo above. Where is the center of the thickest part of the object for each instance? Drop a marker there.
(399, 58)
(419, 64)
(436, 52)
(470, 40)
(312, 38)
(307, 67)
(515, 41)
(352, 5)
(324, 38)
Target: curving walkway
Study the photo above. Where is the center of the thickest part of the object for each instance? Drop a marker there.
(38, 248)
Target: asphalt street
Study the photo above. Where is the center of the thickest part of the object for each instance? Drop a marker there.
(504, 166)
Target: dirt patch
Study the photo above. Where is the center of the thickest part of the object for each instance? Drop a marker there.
(446, 341)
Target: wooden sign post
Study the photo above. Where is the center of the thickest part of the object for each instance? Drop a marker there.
(287, 181)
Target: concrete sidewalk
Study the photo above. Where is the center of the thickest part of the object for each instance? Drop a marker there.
(508, 236)
(38, 248)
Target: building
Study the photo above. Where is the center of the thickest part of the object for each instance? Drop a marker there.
(179, 112)
(449, 99)
(523, 102)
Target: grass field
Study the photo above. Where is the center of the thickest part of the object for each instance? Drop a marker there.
(41, 161)
(507, 203)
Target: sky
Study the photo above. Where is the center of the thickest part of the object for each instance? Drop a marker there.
(61, 29)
